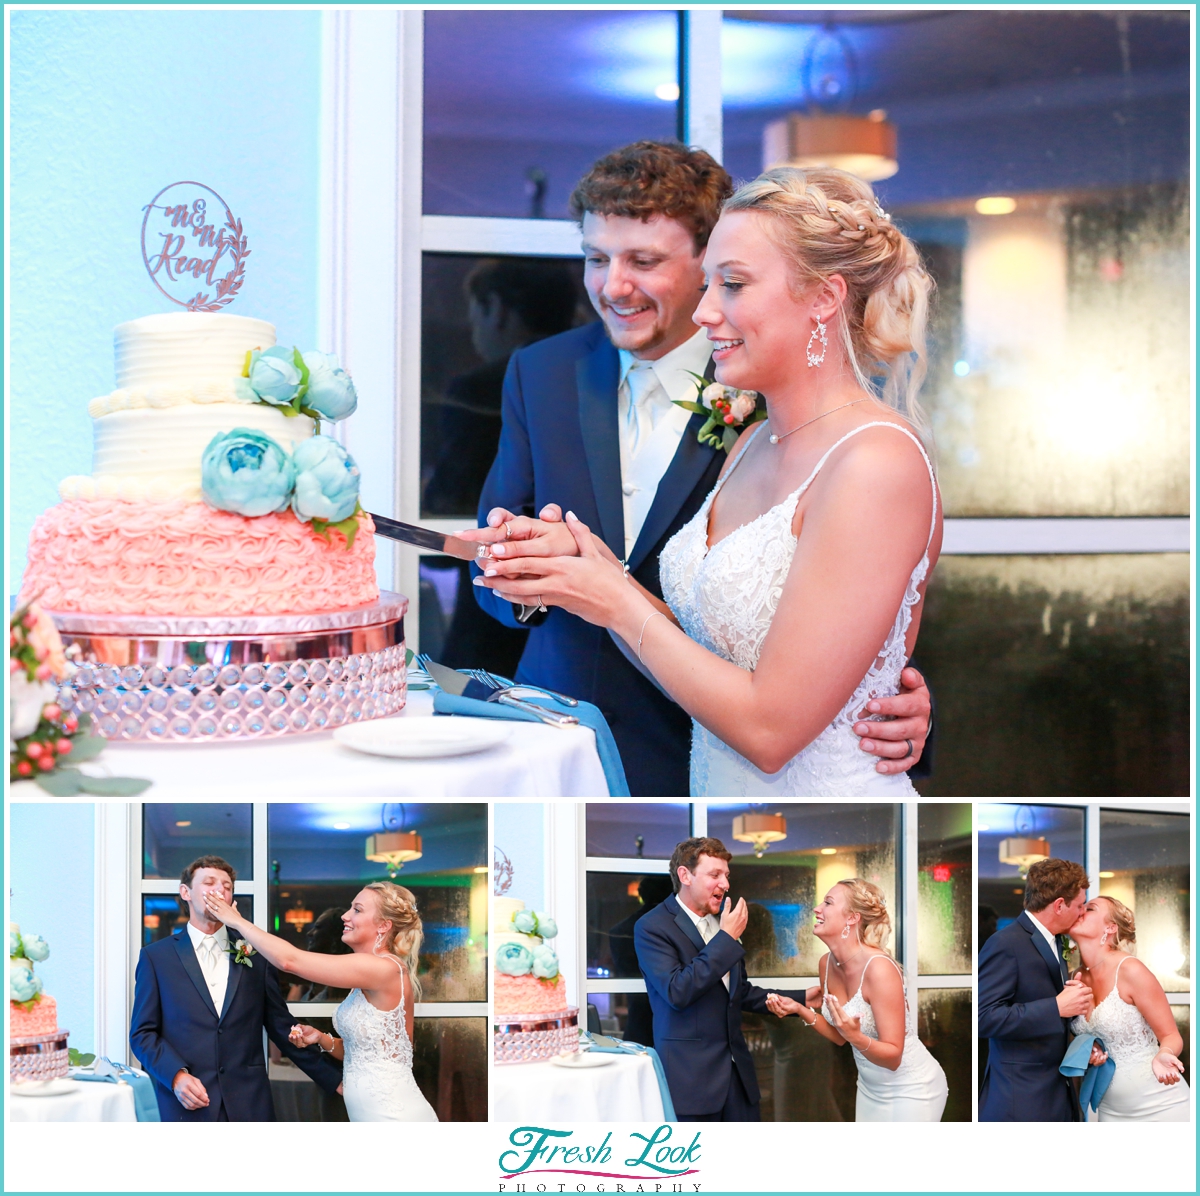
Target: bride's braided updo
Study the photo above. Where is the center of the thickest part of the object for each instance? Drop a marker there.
(829, 222)
(403, 938)
(867, 900)
(1121, 916)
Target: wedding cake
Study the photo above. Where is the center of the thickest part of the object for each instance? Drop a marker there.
(212, 491)
(37, 1047)
(530, 1012)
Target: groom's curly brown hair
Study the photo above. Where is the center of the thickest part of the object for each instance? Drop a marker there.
(656, 178)
(687, 855)
(1048, 880)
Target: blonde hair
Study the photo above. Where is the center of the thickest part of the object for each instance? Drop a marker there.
(399, 907)
(1122, 918)
(867, 900)
(829, 222)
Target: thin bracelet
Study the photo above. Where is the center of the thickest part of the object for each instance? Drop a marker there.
(643, 632)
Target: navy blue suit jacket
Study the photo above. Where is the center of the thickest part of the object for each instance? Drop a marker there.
(176, 1025)
(559, 443)
(697, 1024)
(1020, 978)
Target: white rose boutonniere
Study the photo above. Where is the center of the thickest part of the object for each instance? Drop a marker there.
(241, 952)
(728, 410)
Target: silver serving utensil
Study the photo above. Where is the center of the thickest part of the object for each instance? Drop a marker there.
(456, 683)
(423, 537)
(499, 683)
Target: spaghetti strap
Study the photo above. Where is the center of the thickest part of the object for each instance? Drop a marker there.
(738, 459)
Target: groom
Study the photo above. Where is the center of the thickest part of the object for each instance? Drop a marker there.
(1027, 1000)
(199, 1016)
(589, 425)
(695, 971)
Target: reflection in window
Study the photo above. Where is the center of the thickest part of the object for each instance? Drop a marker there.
(450, 1066)
(1087, 658)
(1183, 1021)
(944, 886)
(1145, 862)
(502, 139)
(176, 833)
(637, 830)
(624, 1015)
(945, 1024)
(824, 843)
(802, 1076)
(615, 901)
(319, 863)
(1002, 885)
(164, 915)
(295, 1096)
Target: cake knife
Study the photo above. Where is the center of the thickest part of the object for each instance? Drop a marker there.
(424, 537)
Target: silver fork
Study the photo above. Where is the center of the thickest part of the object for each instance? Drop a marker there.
(494, 682)
(501, 695)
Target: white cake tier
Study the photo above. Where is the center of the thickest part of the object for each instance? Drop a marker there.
(503, 909)
(511, 936)
(154, 452)
(186, 348)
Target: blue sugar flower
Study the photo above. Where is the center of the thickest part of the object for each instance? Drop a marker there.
(512, 959)
(547, 927)
(36, 947)
(330, 391)
(23, 985)
(246, 472)
(545, 963)
(274, 376)
(327, 480)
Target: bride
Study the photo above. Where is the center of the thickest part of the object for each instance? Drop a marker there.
(383, 931)
(804, 571)
(898, 1079)
(1132, 1018)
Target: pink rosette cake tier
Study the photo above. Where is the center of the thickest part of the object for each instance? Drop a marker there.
(40, 1018)
(110, 556)
(516, 995)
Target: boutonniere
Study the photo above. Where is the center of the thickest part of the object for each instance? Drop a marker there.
(241, 952)
(729, 411)
(1067, 948)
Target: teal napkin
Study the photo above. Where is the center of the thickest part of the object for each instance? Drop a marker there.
(144, 1101)
(1095, 1079)
(636, 1048)
(588, 715)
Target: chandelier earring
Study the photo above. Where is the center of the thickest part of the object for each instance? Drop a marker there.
(1104, 938)
(818, 333)
(378, 940)
(846, 931)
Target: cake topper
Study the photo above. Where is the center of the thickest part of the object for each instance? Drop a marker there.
(185, 238)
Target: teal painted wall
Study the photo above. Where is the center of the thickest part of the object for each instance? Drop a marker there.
(52, 876)
(107, 108)
(518, 831)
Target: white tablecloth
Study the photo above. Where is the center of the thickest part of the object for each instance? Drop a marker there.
(89, 1102)
(535, 761)
(541, 1093)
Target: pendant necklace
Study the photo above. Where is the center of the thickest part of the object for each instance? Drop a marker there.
(776, 439)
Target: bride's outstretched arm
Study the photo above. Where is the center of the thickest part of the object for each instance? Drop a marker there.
(1139, 982)
(839, 601)
(356, 970)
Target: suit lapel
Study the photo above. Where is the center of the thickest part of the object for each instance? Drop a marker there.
(597, 376)
(691, 461)
(686, 924)
(231, 985)
(191, 965)
(1053, 962)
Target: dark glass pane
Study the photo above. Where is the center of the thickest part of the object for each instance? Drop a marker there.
(319, 863)
(944, 886)
(1183, 1021)
(637, 830)
(824, 843)
(176, 833)
(615, 901)
(475, 311)
(1087, 675)
(450, 1064)
(163, 915)
(1145, 862)
(1001, 885)
(802, 1076)
(295, 1096)
(503, 138)
(624, 1015)
(946, 1025)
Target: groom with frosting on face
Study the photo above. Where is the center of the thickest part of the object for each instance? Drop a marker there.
(589, 425)
(689, 952)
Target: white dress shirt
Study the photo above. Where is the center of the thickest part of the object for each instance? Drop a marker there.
(650, 426)
(214, 960)
(707, 925)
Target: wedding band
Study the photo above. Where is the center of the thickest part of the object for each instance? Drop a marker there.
(507, 530)
(541, 604)
(910, 747)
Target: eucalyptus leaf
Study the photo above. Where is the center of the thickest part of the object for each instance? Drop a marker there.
(729, 438)
(114, 786)
(408, 656)
(86, 747)
(62, 782)
(688, 405)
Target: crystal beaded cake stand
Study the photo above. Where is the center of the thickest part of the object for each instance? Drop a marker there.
(535, 1037)
(193, 679)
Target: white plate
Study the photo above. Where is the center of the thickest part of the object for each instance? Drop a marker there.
(44, 1088)
(583, 1059)
(418, 738)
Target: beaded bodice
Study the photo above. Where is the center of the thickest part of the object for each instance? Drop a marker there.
(857, 1005)
(372, 1037)
(1122, 1028)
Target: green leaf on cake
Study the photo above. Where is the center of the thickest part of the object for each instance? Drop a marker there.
(79, 1059)
(246, 366)
(114, 786)
(348, 527)
(62, 782)
(86, 747)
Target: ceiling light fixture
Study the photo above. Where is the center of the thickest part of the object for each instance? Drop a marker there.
(995, 205)
(667, 91)
(1107, 875)
(760, 829)
(861, 145)
(829, 851)
(1025, 848)
(341, 826)
(184, 823)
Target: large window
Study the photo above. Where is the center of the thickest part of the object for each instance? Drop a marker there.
(299, 866)
(919, 854)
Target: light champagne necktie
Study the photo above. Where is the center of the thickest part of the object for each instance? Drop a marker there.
(641, 381)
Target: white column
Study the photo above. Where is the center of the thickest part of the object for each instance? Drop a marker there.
(566, 882)
(909, 894)
(117, 925)
(1091, 847)
(701, 82)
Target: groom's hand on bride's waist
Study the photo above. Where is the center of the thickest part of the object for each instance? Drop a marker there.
(898, 727)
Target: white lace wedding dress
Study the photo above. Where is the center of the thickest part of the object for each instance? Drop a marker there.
(377, 1076)
(725, 598)
(917, 1089)
(1134, 1094)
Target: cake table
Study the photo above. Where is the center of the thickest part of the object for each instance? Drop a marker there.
(625, 1089)
(84, 1102)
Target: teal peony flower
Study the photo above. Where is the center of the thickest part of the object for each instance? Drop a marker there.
(274, 377)
(14, 942)
(23, 985)
(330, 389)
(246, 472)
(36, 947)
(326, 480)
(512, 959)
(525, 920)
(547, 927)
(545, 963)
